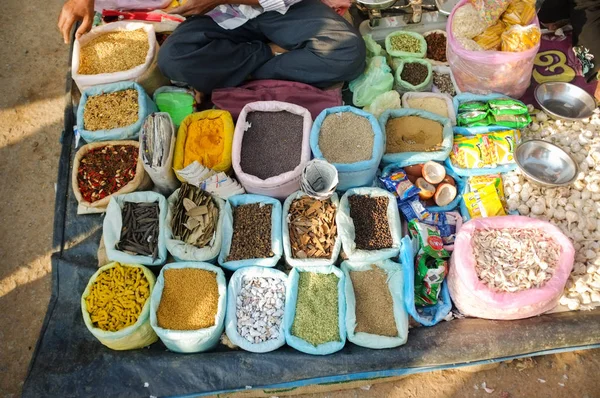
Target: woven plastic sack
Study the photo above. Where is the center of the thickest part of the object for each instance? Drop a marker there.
(100, 5)
(473, 298)
(291, 297)
(287, 247)
(489, 71)
(131, 132)
(282, 185)
(138, 335)
(140, 182)
(356, 174)
(347, 232)
(383, 102)
(179, 157)
(397, 53)
(376, 79)
(189, 341)
(135, 74)
(233, 290)
(404, 86)
(396, 286)
(449, 104)
(182, 251)
(113, 222)
(505, 168)
(227, 231)
(461, 184)
(418, 157)
(429, 315)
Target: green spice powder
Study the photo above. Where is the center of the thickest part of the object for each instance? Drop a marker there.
(316, 318)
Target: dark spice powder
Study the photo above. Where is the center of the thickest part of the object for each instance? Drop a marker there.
(414, 73)
(372, 230)
(251, 232)
(273, 143)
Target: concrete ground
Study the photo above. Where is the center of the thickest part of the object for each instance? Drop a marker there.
(33, 61)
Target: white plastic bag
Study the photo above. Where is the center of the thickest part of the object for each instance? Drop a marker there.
(233, 290)
(395, 284)
(287, 248)
(383, 102)
(184, 251)
(188, 341)
(346, 229)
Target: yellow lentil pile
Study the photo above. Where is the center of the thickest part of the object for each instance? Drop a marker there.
(117, 297)
(189, 301)
(111, 110)
(114, 52)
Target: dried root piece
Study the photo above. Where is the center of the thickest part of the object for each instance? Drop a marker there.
(312, 228)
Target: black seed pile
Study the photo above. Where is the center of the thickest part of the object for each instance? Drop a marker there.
(369, 215)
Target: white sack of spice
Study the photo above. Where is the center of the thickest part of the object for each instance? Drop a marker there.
(513, 259)
(259, 308)
(574, 209)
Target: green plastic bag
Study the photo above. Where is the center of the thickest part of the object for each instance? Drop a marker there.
(373, 49)
(177, 102)
(404, 86)
(383, 102)
(398, 53)
(376, 79)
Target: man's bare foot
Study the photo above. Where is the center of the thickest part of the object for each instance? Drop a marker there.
(276, 50)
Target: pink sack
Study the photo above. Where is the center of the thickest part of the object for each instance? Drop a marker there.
(100, 5)
(282, 185)
(473, 298)
(315, 100)
(484, 72)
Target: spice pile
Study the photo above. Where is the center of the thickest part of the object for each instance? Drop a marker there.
(114, 52)
(444, 83)
(431, 104)
(412, 134)
(259, 309)
(105, 170)
(512, 259)
(111, 110)
(272, 144)
(374, 305)
(406, 43)
(346, 138)
(312, 228)
(369, 215)
(317, 319)
(436, 46)
(251, 232)
(414, 73)
(189, 300)
(117, 297)
(139, 234)
(195, 217)
(204, 142)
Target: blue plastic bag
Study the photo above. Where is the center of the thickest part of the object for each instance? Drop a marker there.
(356, 174)
(396, 286)
(188, 341)
(291, 296)
(113, 223)
(461, 184)
(426, 316)
(235, 285)
(418, 157)
(227, 228)
(131, 132)
(505, 168)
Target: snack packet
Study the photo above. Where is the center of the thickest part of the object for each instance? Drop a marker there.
(472, 106)
(490, 38)
(445, 223)
(429, 275)
(467, 152)
(484, 202)
(504, 143)
(398, 183)
(430, 241)
(519, 12)
(413, 209)
(513, 121)
(507, 106)
(519, 38)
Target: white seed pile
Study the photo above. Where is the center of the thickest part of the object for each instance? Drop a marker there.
(513, 259)
(574, 209)
(259, 308)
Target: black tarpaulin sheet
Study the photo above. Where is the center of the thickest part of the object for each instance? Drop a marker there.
(68, 361)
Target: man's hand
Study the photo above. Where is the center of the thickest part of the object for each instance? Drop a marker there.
(197, 7)
(73, 11)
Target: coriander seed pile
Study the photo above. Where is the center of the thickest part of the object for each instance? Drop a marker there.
(111, 110)
(114, 52)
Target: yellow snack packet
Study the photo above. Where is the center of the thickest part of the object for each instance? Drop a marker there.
(490, 38)
(484, 202)
(468, 152)
(478, 182)
(504, 143)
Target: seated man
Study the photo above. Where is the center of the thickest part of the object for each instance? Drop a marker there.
(224, 42)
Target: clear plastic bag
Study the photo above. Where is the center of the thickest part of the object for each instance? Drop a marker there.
(383, 102)
(520, 38)
(490, 10)
(376, 79)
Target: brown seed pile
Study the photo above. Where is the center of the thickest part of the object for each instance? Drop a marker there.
(414, 73)
(436, 46)
(111, 110)
(372, 230)
(189, 301)
(251, 232)
(346, 138)
(312, 228)
(374, 305)
(114, 52)
(195, 217)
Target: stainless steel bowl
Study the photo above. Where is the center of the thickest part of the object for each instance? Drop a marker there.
(545, 163)
(377, 4)
(565, 101)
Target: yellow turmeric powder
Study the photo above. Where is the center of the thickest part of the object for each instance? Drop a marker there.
(204, 143)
